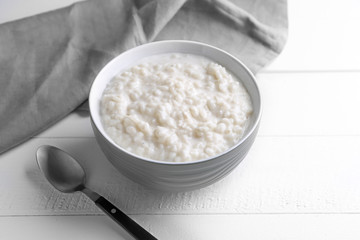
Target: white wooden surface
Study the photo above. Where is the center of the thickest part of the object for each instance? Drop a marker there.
(299, 181)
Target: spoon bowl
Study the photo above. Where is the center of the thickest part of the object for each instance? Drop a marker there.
(60, 169)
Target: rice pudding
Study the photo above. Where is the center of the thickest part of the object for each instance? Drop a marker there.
(175, 108)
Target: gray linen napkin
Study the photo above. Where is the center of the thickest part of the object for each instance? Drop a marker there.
(48, 61)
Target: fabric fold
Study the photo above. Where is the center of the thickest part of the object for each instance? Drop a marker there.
(248, 24)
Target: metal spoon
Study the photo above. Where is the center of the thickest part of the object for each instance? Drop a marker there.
(67, 176)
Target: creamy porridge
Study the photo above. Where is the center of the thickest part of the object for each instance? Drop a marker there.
(175, 108)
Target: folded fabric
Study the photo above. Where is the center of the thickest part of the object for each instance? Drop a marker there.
(48, 61)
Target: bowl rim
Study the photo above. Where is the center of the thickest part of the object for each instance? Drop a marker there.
(152, 44)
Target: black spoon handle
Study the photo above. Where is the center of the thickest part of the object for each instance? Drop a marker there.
(130, 225)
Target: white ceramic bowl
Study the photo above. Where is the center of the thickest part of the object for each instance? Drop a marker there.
(164, 175)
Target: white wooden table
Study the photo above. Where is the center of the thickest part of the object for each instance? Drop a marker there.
(301, 179)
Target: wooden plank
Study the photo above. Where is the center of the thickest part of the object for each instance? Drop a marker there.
(310, 104)
(322, 36)
(280, 175)
(190, 227)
